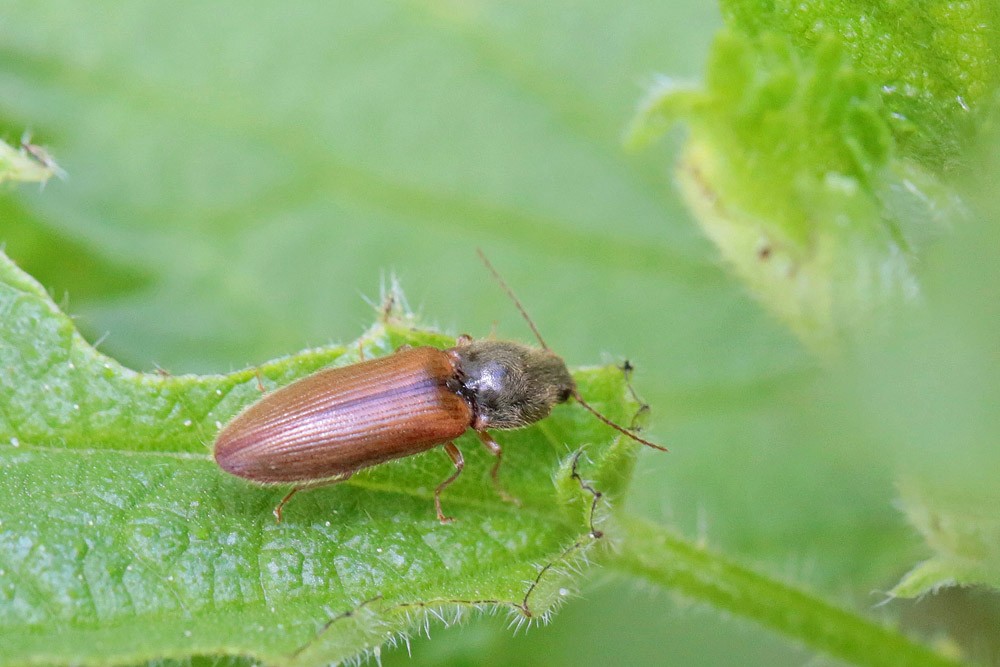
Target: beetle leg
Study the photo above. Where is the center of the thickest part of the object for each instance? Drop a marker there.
(494, 447)
(316, 485)
(456, 458)
(463, 340)
(288, 496)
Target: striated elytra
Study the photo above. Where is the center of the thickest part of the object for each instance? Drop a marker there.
(324, 427)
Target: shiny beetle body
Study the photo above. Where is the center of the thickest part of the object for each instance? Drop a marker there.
(325, 427)
(328, 425)
(343, 419)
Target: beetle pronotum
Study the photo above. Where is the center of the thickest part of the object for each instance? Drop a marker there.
(325, 427)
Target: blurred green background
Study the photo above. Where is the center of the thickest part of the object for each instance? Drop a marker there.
(241, 175)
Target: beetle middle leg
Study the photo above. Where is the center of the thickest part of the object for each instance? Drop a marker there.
(316, 485)
(494, 447)
(456, 458)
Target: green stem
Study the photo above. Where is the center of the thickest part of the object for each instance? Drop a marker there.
(661, 557)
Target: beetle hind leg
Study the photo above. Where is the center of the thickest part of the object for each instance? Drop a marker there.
(326, 482)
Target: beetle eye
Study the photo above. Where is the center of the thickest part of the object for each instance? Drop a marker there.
(564, 395)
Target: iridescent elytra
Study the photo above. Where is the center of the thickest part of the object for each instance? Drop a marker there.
(327, 426)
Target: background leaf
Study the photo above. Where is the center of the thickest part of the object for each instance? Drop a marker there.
(819, 145)
(929, 394)
(27, 163)
(121, 540)
(938, 62)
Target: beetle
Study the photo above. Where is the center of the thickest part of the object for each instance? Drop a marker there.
(325, 427)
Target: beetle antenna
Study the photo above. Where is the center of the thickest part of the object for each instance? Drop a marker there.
(506, 288)
(576, 394)
(620, 429)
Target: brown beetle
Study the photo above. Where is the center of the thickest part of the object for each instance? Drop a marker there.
(323, 428)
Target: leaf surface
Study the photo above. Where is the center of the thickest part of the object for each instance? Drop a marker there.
(122, 541)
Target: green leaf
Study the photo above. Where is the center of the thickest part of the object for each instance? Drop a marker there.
(937, 63)
(929, 392)
(660, 556)
(818, 146)
(121, 541)
(962, 529)
(26, 164)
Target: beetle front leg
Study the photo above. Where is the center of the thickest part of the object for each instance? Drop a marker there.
(494, 448)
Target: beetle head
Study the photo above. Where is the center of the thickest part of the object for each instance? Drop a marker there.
(510, 385)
